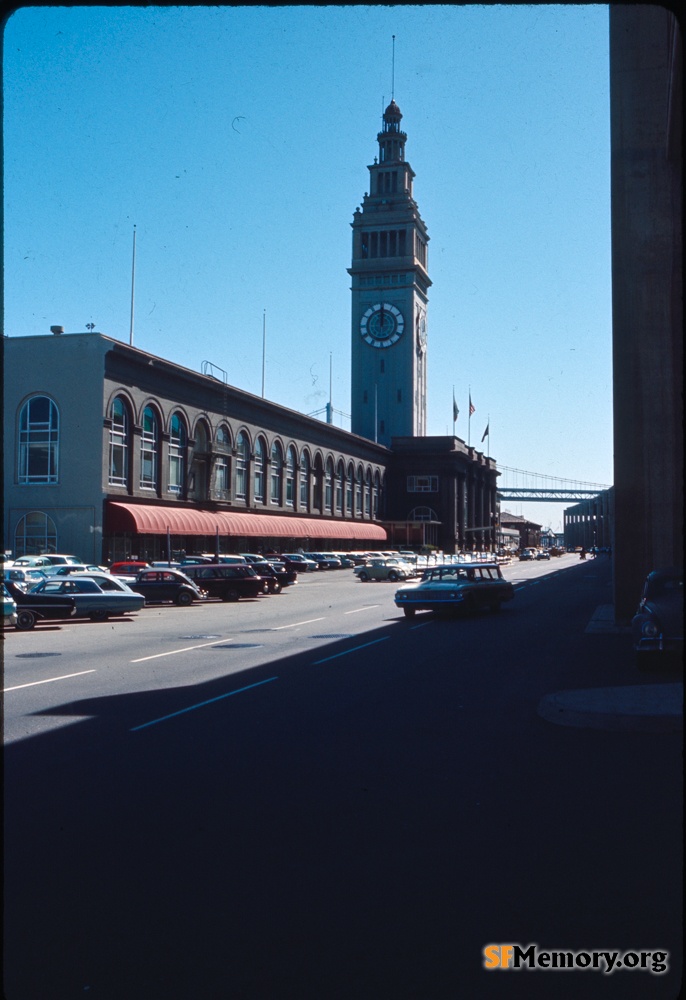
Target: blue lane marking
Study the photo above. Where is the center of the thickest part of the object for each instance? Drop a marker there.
(201, 704)
(353, 650)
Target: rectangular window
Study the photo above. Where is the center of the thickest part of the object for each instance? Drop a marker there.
(422, 484)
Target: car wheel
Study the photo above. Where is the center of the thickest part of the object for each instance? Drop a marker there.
(393, 576)
(276, 587)
(408, 612)
(184, 598)
(231, 596)
(364, 577)
(25, 620)
(98, 616)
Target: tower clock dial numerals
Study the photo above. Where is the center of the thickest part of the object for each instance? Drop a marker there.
(382, 325)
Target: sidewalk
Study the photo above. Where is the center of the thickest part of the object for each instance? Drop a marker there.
(637, 707)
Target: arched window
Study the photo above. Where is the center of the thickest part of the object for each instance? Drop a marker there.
(35, 533)
(349, 480)
(305, 480)
(340, 475)
(242, 461)
(328, 486)
(39, 432)
(177, 454)
(150, 443)
(258, 472)
(290, 476)
(359, 478)
(199, 462)
(220, 489)
(276, 473)
(119, 444)
(422, 514)
(376, 495)
(368, 494)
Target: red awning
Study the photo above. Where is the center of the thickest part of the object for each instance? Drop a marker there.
(147, 519)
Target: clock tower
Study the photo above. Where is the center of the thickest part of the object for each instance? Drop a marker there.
(390, 284)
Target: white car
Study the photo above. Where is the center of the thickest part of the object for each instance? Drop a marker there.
(96, 595)
(383, 569)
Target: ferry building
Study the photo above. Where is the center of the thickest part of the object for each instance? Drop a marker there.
(112, 452)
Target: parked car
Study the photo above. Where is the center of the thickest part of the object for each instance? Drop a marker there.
(345, 560)
(24, 576)
(276, 574)
(93, 599)
(526, 554)
(543, 554)
(53, 559)
(131, 567)
(299, 562)
(382, 569)
(9, 607)
(158, 585)
(39, 607)
(68, 568)
(227, 581)
(323, 561)
(34, 562)
(657, 628)
(455, 587)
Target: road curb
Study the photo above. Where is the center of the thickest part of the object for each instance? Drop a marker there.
(642, 708)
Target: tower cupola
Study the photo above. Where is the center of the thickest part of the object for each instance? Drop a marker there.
(391, 139)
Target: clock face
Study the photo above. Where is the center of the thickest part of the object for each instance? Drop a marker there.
(382, 325)
(421, 330)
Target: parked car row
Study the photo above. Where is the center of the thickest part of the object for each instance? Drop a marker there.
(81, 591)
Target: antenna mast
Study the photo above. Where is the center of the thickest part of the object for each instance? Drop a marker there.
(393, 71)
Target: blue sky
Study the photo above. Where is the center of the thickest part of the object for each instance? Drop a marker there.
(237, 140)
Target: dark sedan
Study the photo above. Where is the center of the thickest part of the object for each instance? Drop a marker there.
(228, 581)
(658, 625)
(39, 607)
(275, 573)
(158, 585)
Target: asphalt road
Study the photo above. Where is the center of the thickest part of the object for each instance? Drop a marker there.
(330, 801)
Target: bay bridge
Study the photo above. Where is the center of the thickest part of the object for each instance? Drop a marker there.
(536, 487)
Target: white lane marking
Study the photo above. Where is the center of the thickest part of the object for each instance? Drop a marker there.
(201, 704)
(367, 608)
(353, 650)
(295, 624)
(173, 652)
(49, 680)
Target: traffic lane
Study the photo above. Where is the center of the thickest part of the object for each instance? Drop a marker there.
(163, 648)
(160, 652)
(377, 816)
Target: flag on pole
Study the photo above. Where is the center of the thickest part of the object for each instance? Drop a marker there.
(456, 412)
(472, 408)
(485, 433)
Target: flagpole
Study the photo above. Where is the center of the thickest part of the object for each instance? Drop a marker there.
(469, 424)
(133, 285)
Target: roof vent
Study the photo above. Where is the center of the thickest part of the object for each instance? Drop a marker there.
(57, 330)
